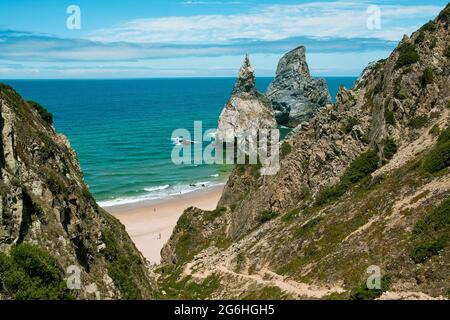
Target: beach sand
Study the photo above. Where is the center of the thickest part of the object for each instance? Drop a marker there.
(150, 224)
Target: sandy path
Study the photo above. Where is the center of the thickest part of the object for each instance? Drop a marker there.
(150, 225)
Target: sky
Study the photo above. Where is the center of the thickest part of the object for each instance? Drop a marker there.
(198, 38)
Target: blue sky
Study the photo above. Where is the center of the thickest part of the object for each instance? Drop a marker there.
(190, 38)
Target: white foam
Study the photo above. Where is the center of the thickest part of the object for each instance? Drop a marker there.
(157, 188)
(159, 193)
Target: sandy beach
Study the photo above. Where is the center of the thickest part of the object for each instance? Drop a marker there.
(150, 224)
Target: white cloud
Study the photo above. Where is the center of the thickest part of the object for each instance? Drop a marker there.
(274, 22)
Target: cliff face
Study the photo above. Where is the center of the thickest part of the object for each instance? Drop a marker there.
(48, 214)
(247, 109)
(295, 95)
(365, 182)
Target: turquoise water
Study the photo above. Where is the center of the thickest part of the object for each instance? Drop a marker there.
(121, 130)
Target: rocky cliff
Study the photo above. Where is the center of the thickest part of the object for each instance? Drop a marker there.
(295, 95)
(50, 225)
(364, 184)
(247, 109)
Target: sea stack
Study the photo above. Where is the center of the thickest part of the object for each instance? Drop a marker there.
(295, 95)
(247, 109)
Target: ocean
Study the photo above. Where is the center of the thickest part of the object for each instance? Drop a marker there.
(121, 130)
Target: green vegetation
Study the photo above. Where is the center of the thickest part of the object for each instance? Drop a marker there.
(266, 293)
(433, 43)
(252, 169)
(444, 15)
(49, 149)
(121, 259)
(439, 157)
(447, 51)
(398, 93)
(389, 117)
(44, 113)
(420, 38)
(444, 136)
(435, 130)
(286, 149)
(290, 215)
(266, 215)
(438, 220)
(55, 183)
(429, 26)
(360, 168)
(425, 250)
(389, 148)
(186, 289)
(418, 122)
(427, 77)
(213, 215)
(407, 55)
(190, 241)
(378, 87)
(307, 227)
(349, 124)
(432, 233)
(364, 293)
(31, 273)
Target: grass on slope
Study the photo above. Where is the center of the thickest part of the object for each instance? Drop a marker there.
(432, 233)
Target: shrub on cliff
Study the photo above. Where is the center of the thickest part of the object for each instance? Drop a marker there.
(447, 52)
(398, 92)
(389, 117)
(439, 157)
(426, 250)
(30, 272)
(444, 15)
(444, 136)
(44, 113)
(427, 77)
(267, 216)
(437, 220)
(307, 227)
(364, 293)
(418, 122)
(213, 215)
(121, 258)
(360, 168)
(349, 124)
(435, 130)
(432, 233)
(429, 26)
(389, 148)
(420, 38)
(407, 55)
(286, 148)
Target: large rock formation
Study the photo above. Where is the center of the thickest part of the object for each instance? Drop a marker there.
(49, 219)
(295, 95)
(366, 182)
(247, 109)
